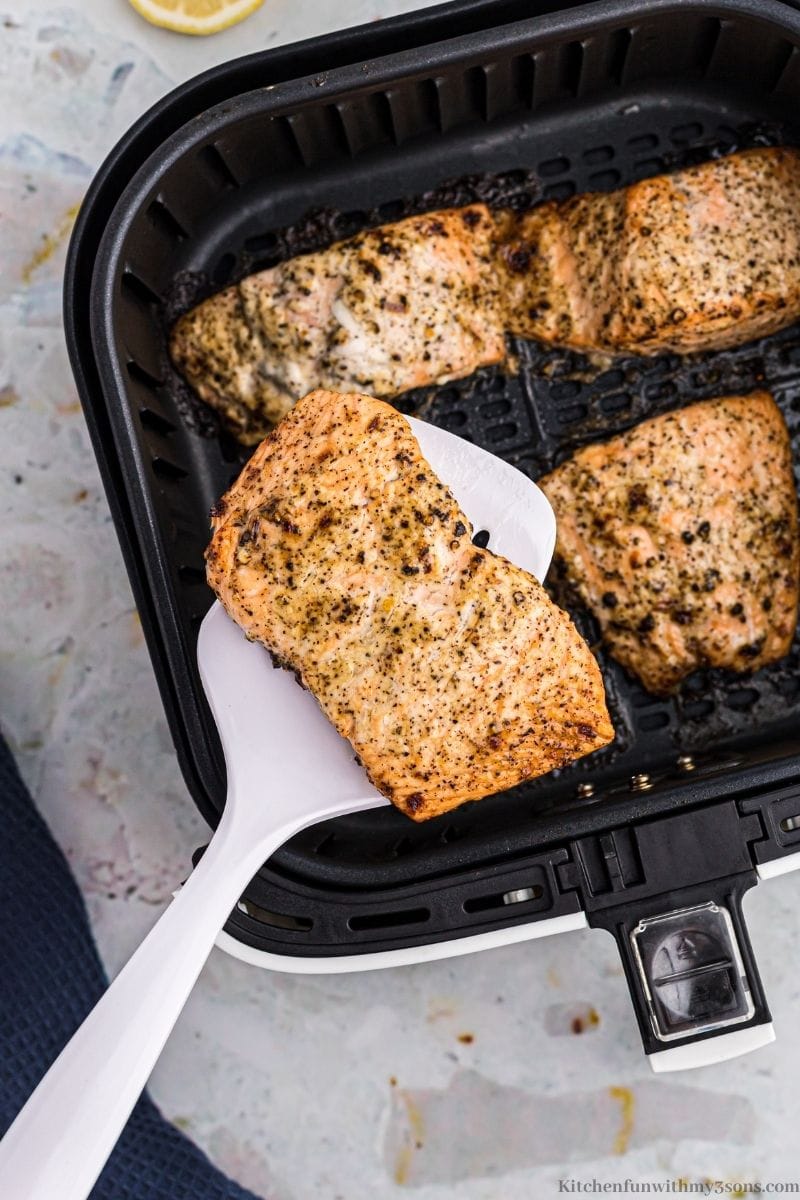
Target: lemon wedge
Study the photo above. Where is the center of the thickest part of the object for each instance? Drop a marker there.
(199, 17)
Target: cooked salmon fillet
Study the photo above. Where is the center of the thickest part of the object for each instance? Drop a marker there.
(390, 309)
(449, 669)
(681, 537)
(701, 259)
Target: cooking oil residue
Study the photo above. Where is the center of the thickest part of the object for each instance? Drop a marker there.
(441, 1008)
(588, 1020)
(414, 1140)
(627, 1101)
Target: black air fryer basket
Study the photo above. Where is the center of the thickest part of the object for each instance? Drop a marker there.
(655, 838)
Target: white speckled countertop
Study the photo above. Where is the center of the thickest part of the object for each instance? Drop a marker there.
(359, 1087)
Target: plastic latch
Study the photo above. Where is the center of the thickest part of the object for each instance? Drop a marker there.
(689, 964)
(691, 971)
(670, 892)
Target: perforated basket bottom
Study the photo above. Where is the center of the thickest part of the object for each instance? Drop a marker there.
(534, 419)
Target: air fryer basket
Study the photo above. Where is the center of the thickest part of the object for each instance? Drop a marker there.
(590, 99)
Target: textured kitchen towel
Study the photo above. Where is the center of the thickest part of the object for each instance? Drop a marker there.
(50, 976)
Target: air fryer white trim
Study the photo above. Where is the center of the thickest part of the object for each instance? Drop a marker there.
(779, 866)
(405, 955)
(712, 1050)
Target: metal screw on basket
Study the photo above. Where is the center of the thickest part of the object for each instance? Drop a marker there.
(641, 783)
(585, 790)
(687, 763)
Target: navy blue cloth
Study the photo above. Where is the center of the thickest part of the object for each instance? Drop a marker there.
(50, 977)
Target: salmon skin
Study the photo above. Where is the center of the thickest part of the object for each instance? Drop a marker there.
(702, 259)
(681, 538)
(448, 668)
(389, 309)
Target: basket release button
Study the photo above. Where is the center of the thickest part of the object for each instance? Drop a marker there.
(691, 971)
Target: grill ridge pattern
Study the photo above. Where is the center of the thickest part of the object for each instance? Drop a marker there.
(553, 119)
(555, 402)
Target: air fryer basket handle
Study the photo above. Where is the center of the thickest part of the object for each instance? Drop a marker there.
(691, 973)
(670, 891)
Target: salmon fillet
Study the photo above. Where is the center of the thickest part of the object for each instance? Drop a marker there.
(702, 259)
(392, 308)
(681, 537)
(448, 668)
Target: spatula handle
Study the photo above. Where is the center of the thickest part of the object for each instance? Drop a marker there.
(61, 1139)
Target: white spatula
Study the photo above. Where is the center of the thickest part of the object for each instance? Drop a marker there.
(287, 768)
